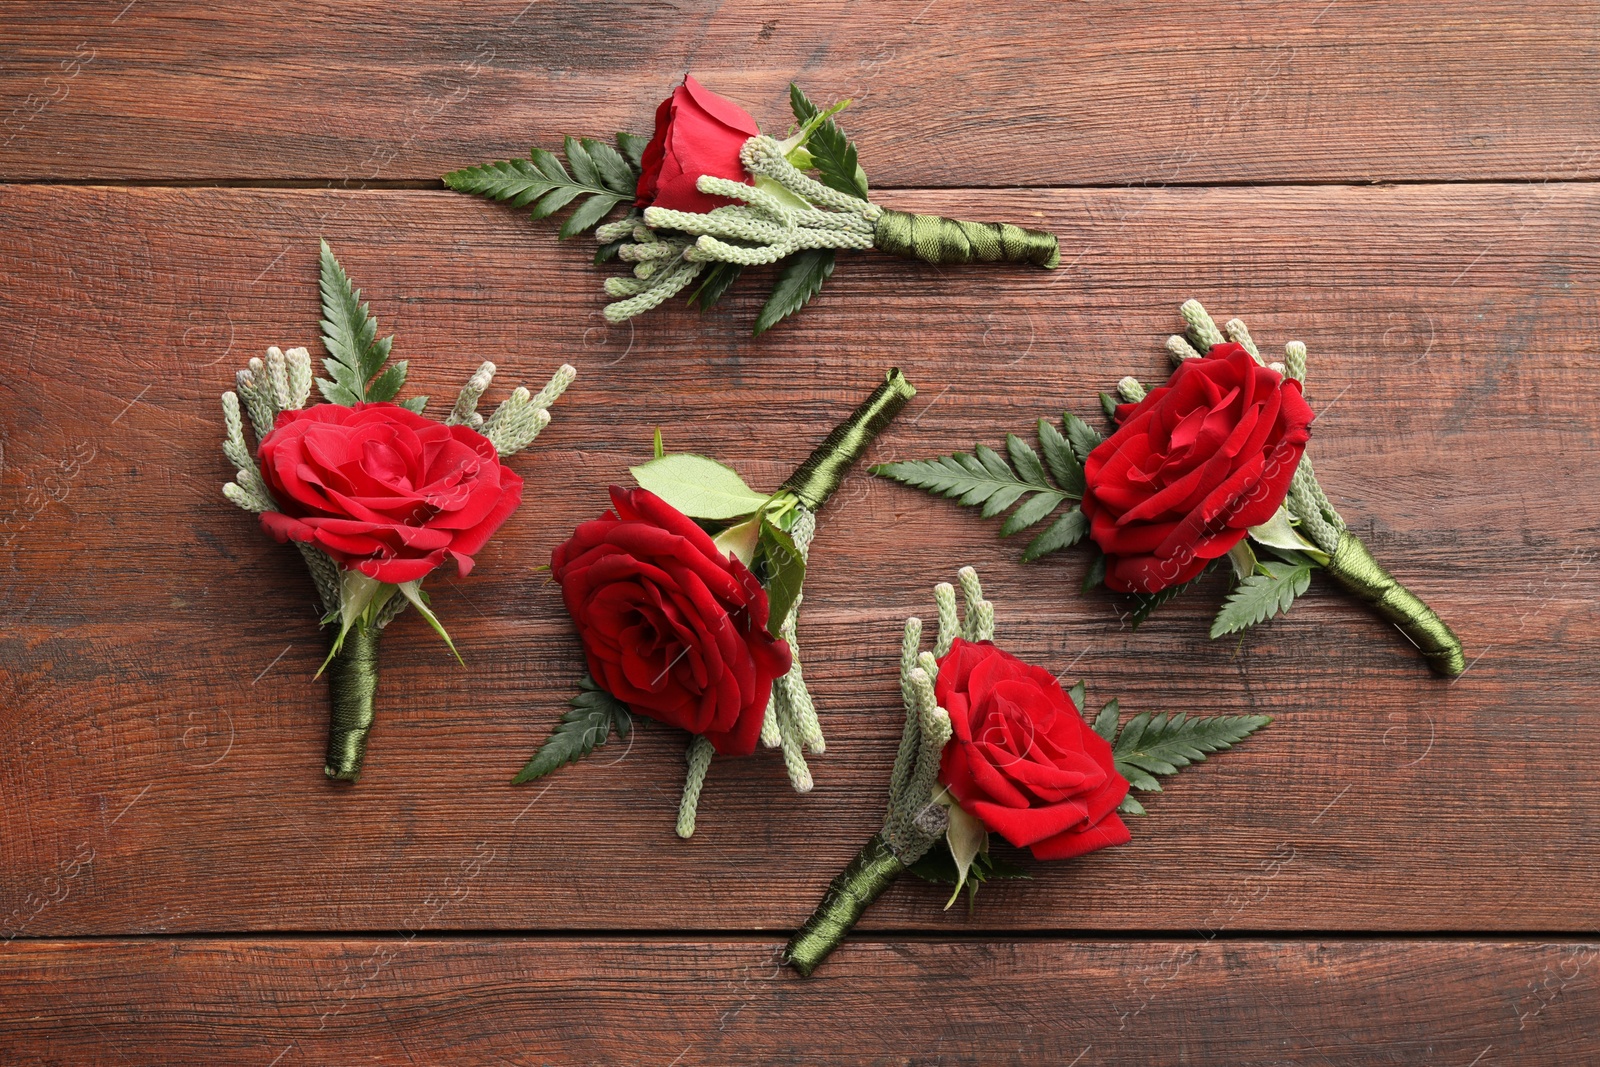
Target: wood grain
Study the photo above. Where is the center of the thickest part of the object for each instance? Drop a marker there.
(155, 668)
(536, 1001)
(955, 93)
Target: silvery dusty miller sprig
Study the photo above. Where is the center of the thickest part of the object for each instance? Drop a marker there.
(1180, 531)
(709, 195)
(373, 495)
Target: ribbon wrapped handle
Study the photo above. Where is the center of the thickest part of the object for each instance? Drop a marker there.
(353, 679)
(849, 894)
(815, 480)
(1358, 571)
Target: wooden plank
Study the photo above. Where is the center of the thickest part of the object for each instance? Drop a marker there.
(1029, 92)
(534, 1001)
(156, 662)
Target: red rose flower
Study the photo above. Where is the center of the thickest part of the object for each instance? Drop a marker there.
(1192, 467)
(697, 132)
(384, 490)
(1021, 758)
(671, 626)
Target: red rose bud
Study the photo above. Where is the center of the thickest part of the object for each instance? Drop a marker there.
(383, 490)
(697, 132)
(1022, 759)
(1192, 467)
(671, 626)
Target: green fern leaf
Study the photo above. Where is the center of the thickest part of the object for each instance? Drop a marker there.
(604, 176)
(1151, 745)
(1261, 596)
(799, 281)
(594, 714)
(1105, 723)
(355, 352)
(1065, 466)
(717, 280)
(992, 483)
(632, 147)
(1096, 574)
(832, 153)
(1146, 603)
(1068, 529)
(1083, 437)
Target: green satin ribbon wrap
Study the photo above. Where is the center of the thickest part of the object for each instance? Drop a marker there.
(815, 480)
(1364, 576)
(872, 871)
(936, 239)
(353, 677)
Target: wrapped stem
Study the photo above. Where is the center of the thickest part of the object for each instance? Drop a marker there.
(1356, 569)
(936, 239)
(815, 480)
(872, 871)
(353, 678)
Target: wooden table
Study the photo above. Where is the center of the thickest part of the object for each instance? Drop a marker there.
(1399, 870)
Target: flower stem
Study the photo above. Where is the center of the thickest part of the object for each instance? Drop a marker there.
(815, 480)
(936, 239)
(872, 871)
(1356, 569)
(353, 678)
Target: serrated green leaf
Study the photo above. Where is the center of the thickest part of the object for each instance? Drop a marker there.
(1083, 437)
(699, 487)
(554, 200)
(1065, 467)
(588, 214)
(832, 153)
(1066, 531)
(415, 404)
(1109, 405)
(583, 169)
(549, 164)
(588, 722)
(717, 280)
(387, 384)
(800, 280)
(1165, 744)
(1146, 603)
(784, 573)
(1033, 510)
(1261, 596)
(1105, 723)
(1025, 460)
(1096, 574)
(1076, 694)
(349, 333)
(632, 147)
(1131, 806)
(616, 173)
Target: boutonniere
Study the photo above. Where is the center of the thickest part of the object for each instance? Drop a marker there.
(685, 596)
(709, 195)
(994, 746)
(375, 495)
(1209, 466)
